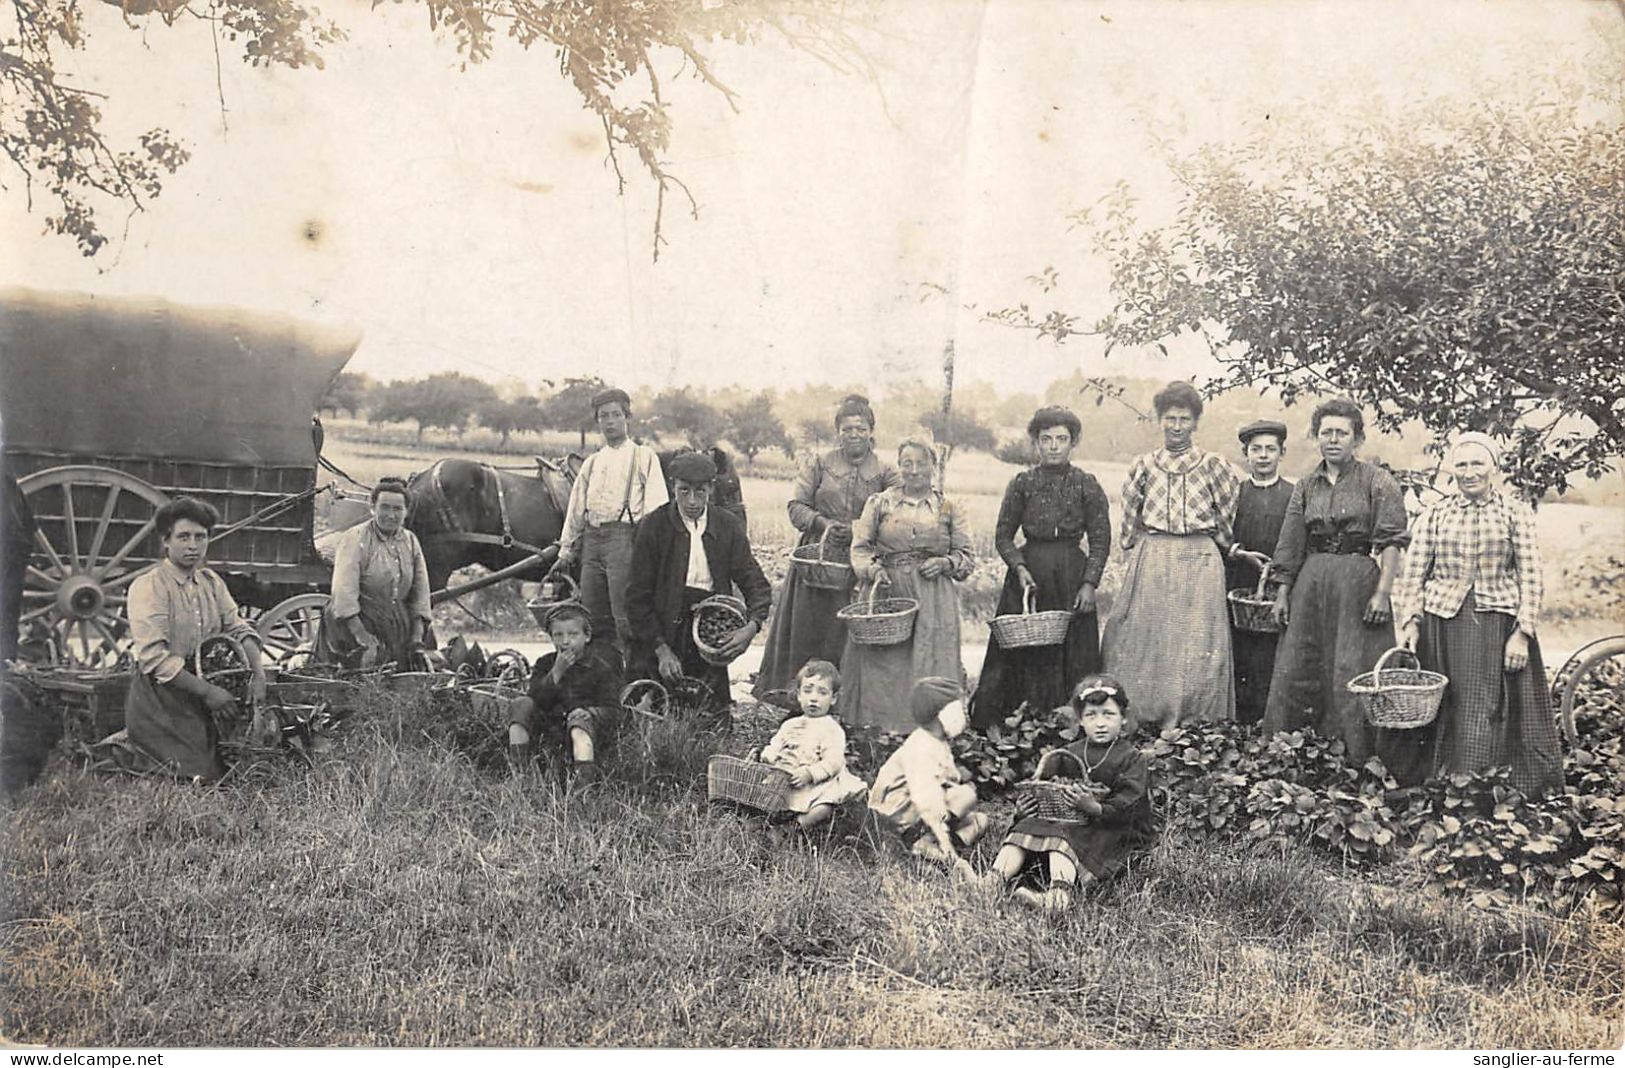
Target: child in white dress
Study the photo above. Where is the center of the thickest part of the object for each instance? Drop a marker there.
(812, 748)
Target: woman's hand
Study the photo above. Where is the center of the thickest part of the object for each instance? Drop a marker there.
(1282, 610)
(1517, 652)
(369, 651)
(1380, 609)
(1258, 560)
(257, 685)
(1409, 635)
(1025, 578)
(935, 566)
(839, 534)
(1084, 602)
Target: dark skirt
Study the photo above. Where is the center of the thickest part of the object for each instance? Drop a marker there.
(1101, 849)
(1042, 676)
(1255, 665)
(804, 628)
(876, 680)
(1490, 717)
(384, 618)
(1328, 642)
(165, 729)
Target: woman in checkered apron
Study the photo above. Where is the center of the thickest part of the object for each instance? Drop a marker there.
(1168, 635)
(1470, 597)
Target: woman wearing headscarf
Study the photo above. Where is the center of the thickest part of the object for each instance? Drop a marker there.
(1470, 596)
(1169, 630)
(915, 543)
(1335, 597)
(1058, 509)
(829, 495)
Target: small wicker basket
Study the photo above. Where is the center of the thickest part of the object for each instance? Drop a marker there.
(820, 568)
(714, 614)
(558, 590)
(880, 621)
(647, 698)
(1030, 629)
(1399, 698)
(1254, 609)
(747, 782)
(1051, 794)
(492, 700)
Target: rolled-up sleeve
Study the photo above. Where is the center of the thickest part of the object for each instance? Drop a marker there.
(1388, 522)
(417, 598)
(149, 612)
(865, 540)
(960, 553)
(347, 575)
(1526, 557)
(232, 623)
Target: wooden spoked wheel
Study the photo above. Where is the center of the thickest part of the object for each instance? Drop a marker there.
(1572, 676)
(95, 533)
(288, 629)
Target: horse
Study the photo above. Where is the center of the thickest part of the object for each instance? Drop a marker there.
(465, 512)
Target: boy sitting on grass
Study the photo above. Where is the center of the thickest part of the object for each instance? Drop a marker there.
(574, 699)
(918, 790)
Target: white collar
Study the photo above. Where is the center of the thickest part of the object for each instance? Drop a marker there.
(1265, 485)
(695, 526)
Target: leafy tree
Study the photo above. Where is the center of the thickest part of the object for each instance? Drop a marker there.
(680, 412)
(1462, 264)
(569, 407)
(346, 393)
(505, 416)
(443, 400)
(753, 426)
(963, 430)
(611, 54)
(1018, 451)
(815, 432)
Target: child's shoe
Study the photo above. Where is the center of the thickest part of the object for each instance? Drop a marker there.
(1051, 900)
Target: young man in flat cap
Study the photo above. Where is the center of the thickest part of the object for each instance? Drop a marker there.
(616, 488)
(1260, 511)
(684, 552)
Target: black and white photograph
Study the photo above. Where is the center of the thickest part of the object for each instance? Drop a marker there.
(812, 524)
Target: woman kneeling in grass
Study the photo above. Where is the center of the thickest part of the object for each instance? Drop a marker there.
(1114, 816)
(812, 748)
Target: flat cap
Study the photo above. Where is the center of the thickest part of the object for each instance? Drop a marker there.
(611, 396)
(692, 467)
(1262, 426)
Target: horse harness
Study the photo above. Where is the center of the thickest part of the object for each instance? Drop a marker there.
(454, 531)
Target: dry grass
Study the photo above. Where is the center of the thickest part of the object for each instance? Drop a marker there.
(398, 894)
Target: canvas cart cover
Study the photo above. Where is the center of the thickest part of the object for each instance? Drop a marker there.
(121, 377)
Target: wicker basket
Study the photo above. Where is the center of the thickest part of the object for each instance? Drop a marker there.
(551, 598)
(880, 621)
(1053, 804)
(708, 613)
(1399, 698)
(819, 568)
(1254, 610)
(747, 782)
(491, 700)
(1030, 629)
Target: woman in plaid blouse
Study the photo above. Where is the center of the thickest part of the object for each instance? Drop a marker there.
(1470, 598)
(1169, 631)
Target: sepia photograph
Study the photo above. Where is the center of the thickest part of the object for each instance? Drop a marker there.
(806, 524)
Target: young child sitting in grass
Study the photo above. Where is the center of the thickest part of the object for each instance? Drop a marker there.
(918, 790)
(574, 699)
(812, 748)
(1114, 816)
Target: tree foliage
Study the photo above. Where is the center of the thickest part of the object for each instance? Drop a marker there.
(962, 430)
(1462, 264)
(505, 416)
(681, 413)
(346, 393)
(446, 401)
(753, 426)
(569, 406)
(611, 54)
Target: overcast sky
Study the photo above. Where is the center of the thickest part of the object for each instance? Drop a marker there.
(467, 220)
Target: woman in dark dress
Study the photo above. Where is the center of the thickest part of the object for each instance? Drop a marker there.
(829, 495)
(1470, 595)
(1066, 531)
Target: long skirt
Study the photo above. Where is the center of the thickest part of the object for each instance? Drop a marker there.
(1168, 636)
(384, 618)
(1328, 642)
(1041, 676)
(1255, 666)
(164, 729)
(804, 628)
(1490, 717)
(876, 679)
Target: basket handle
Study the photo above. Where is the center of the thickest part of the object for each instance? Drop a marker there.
(1027, 601)
(1382, 661)
(823, 541)
(1048, 760)
(1264, 580)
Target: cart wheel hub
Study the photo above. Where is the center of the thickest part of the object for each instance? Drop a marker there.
(79, 597)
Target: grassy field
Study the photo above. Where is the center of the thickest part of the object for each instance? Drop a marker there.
(401, 894)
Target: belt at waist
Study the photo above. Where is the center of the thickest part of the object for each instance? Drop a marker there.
(593, 524)
(1340, 544)
(906, 559)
